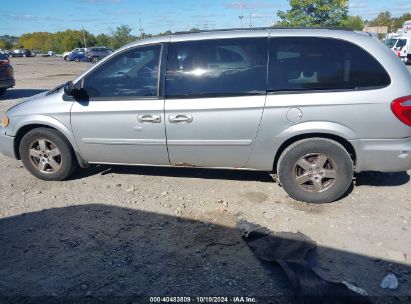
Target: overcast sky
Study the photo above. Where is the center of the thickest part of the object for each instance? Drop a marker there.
(97, 16)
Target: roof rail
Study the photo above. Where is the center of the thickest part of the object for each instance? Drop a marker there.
(262, 28)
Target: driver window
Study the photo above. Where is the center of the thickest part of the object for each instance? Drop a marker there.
(133, 73)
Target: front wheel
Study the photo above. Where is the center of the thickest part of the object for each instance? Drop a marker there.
(95, 59)
(47, 154)
(315, 170)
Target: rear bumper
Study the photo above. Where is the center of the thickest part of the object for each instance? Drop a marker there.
(7, 83)
(384, 155)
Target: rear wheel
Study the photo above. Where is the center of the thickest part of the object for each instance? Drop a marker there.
(315, 170)
(47, 154)
(95, 59)
(66, 58)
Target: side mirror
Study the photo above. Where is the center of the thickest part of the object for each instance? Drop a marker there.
(69, 88)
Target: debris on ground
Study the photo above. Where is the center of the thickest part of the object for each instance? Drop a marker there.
(290, 251)
(390, 281)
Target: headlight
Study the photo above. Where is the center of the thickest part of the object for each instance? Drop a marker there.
(5, 121)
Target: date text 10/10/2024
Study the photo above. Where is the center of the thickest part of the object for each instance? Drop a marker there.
(203, 300)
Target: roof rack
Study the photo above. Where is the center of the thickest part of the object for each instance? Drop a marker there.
(262, 28)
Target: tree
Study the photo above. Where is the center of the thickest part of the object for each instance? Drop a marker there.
(5, 45)
(103, 40)
(121, 36)
(305, 13)
(354, 23)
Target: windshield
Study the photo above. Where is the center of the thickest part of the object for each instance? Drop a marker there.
(400, 43)
(391, 42)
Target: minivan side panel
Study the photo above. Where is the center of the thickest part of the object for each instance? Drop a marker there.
(357, 115)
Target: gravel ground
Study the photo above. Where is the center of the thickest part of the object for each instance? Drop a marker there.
(124, 231)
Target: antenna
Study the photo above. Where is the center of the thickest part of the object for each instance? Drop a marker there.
(241, 14)
(141, 30)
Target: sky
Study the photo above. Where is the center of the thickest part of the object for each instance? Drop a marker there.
(100, 16)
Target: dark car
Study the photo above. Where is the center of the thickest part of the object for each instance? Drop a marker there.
(77, 56)
(94, 54)
(6, 75)
(22, 53)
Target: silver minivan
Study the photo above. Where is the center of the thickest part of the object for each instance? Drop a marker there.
(311, 105)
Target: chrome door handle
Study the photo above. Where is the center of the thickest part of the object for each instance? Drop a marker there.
(149, 118)
(180, 118)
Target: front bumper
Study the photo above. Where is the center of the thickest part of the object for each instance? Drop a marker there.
(6, 144)
(384, 155)
(7, 83)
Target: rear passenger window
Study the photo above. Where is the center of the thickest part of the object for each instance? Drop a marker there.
(217, 67)
(306, 63)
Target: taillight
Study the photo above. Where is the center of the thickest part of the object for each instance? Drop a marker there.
(401, 107)
(5, 61)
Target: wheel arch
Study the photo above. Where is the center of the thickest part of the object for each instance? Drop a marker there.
(23, 130)
(341, 140)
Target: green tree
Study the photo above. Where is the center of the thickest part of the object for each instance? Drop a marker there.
(121, 36)
(103, 40)
(314, 13)
(354, 23)
(5, 45)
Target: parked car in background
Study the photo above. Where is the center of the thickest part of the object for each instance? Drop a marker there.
(77, 56)
(95, 54)
(66, 55)
(313, 106)
(6, 74)
(6, 52)
(22, 53)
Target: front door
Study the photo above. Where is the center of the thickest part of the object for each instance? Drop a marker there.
(215, 95)
(121, 120)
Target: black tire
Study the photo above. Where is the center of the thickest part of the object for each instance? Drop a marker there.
(77, 60)
(2, 92)
(66, 58)
(315, 170)
(56, 168)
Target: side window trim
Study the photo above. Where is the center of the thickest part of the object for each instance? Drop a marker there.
(161, 88)
(114, 98)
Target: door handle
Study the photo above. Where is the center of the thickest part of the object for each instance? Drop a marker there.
(180, 118)
(149, 118)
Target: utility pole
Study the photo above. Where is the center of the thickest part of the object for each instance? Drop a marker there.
(84, 38)
(141, 30)
(241, 14)
(250, 25)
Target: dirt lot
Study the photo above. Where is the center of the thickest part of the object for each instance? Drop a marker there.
(119, 231)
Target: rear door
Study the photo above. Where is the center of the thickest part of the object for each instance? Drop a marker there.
(215, 95)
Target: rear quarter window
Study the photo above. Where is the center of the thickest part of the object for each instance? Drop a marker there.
(309, 63)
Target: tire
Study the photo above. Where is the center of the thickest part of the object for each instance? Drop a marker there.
(315, 170)
(77, 60)
(40, 144)
(2, 92)
(66, 58)
(95, 59)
